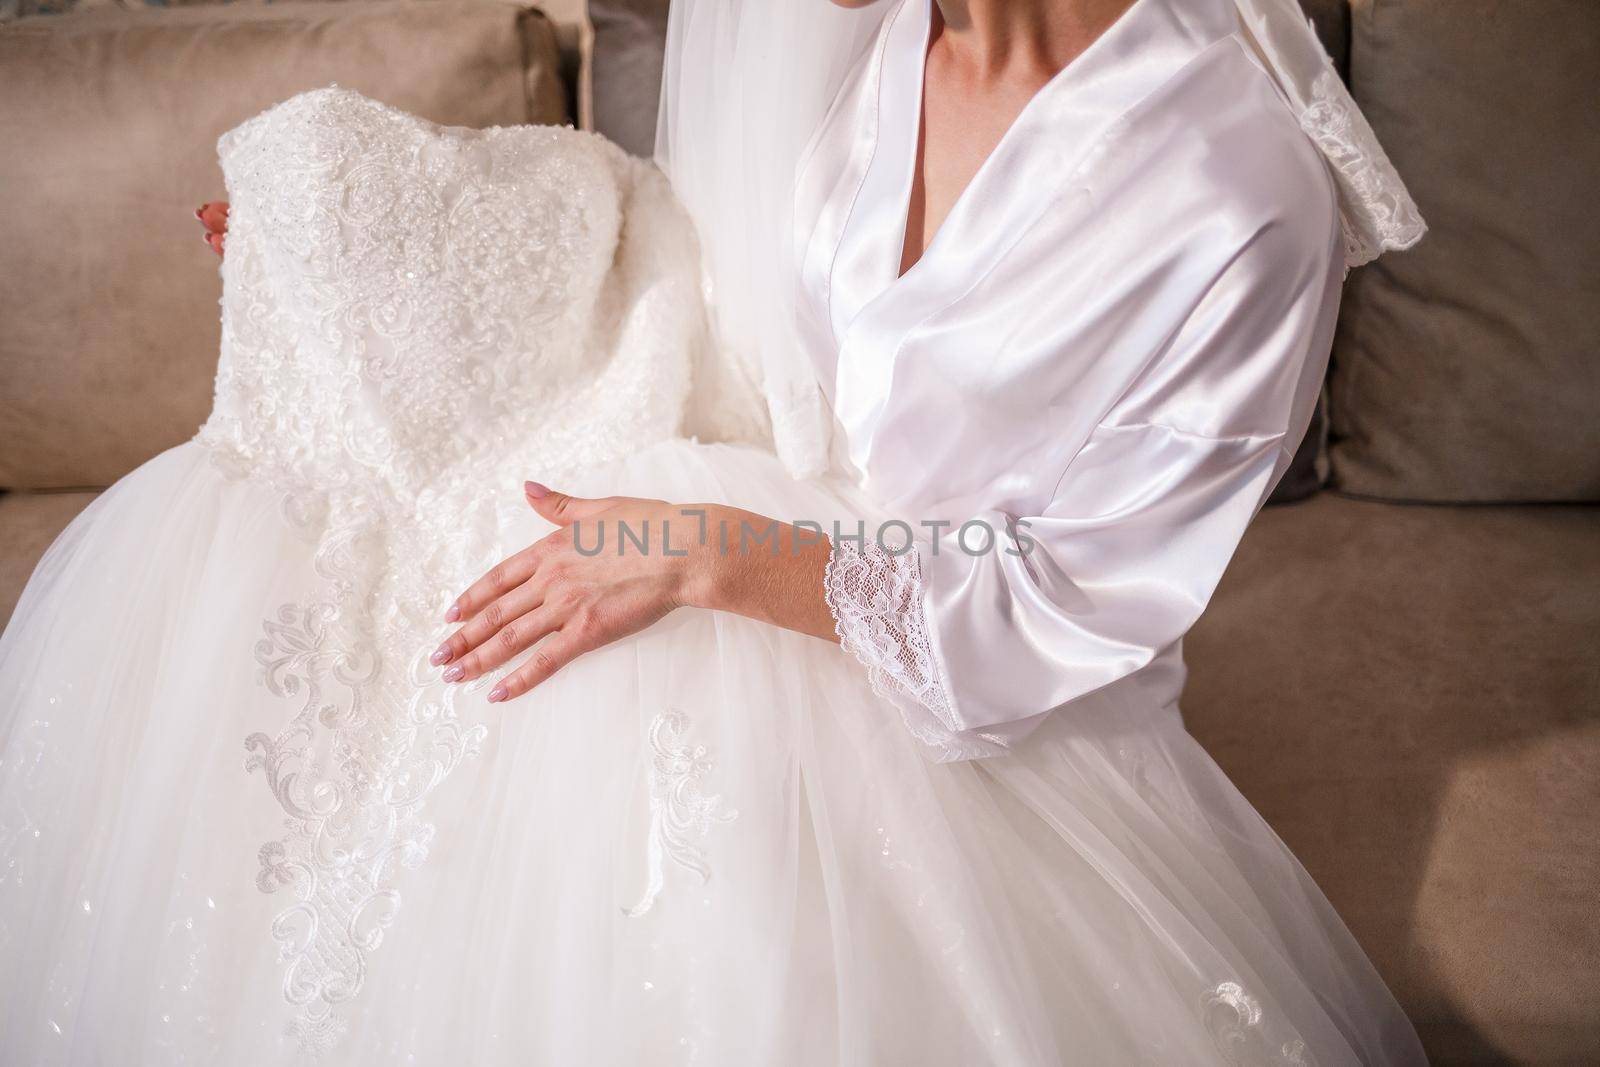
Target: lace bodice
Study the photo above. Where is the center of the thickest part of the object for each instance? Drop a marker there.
(417, 308)
(415, 320)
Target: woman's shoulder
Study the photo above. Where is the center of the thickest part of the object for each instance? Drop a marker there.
(1219, 138)
(1262, 160)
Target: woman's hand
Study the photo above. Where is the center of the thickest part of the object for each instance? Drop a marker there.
(619, 564)
(213, 218)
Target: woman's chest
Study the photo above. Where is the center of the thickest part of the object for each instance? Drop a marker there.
(944, 386)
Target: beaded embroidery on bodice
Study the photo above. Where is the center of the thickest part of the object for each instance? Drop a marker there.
(413, 306)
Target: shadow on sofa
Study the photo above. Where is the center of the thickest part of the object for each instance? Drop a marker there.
(1409, 695)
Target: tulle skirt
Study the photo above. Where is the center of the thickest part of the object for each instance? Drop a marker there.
(710, 843)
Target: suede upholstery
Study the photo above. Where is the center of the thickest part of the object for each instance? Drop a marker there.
(28, 523)
(1468, 369)
(629, 42)
(570, 18)
(1411, 697)
(110, 301)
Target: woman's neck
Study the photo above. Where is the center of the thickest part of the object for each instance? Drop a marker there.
(1033, 39)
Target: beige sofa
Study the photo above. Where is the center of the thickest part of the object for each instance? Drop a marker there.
(1410, 693)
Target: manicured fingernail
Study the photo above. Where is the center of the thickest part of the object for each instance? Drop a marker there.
(442, 655)
(454, 674)
(454, 614)
(497, 694)
(535, 490)
(200, 212)
(206, 237)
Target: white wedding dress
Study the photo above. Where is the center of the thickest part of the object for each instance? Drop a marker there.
(242, 821)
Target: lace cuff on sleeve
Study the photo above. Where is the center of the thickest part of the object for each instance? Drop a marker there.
(876, 601)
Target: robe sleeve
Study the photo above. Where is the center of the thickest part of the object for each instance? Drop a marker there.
(1121, 559)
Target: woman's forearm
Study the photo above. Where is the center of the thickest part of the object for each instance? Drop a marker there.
(760, 568)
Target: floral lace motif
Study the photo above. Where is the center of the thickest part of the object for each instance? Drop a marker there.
(348, 832)
(1376, 212)
(681, 812)
(414, 319)
(876, 601)
(1234, 1018)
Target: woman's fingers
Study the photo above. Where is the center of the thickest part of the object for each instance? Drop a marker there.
(214, 216)
(561, 649)
(514, 636)
(501, 579)
(486, 623)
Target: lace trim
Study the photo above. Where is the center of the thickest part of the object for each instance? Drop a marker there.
(876, 601)
(681, 812)
(1376, 212)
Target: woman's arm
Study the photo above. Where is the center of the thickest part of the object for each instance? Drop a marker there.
(1089, 584)
(616, 565)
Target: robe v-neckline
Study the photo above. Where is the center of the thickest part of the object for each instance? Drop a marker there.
(1043, 162)
(918, 75)
(1048, 143)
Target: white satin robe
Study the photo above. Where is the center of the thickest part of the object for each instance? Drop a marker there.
(1117, 335)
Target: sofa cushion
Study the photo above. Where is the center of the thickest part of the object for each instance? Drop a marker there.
(1469, 367)
(630, 41)
(110, 301)
(1410, 695)
(29, 522)
(570, 18)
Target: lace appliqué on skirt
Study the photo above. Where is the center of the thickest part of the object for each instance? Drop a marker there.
(1234, 1018)
(681, 812)
(350, 825)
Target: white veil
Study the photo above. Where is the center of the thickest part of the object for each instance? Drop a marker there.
(747, 82)
(744, 86)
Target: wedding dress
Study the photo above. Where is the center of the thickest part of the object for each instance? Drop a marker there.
(242, 821)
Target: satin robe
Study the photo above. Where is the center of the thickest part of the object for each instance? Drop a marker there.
(1112, 348)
